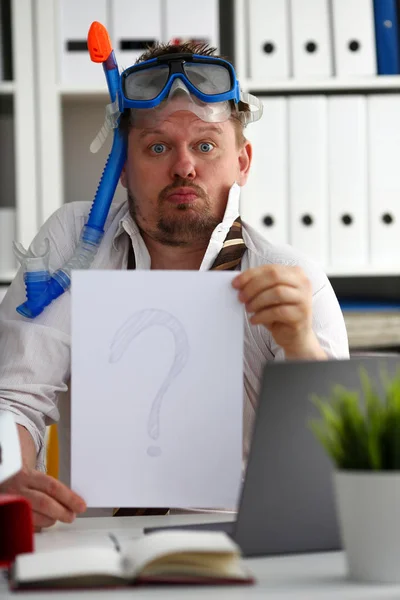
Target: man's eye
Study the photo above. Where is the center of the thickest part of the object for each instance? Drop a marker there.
(206, 147)
(157, 148)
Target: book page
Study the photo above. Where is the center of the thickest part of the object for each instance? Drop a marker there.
(196, 565)
(139, 553)
(64, 564)
(157, 389)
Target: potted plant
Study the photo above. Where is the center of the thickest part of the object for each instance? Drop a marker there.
(361, 434)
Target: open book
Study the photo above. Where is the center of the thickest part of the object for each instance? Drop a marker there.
(162, 557)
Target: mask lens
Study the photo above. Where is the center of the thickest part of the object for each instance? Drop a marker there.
(208, 79)
(146, 84)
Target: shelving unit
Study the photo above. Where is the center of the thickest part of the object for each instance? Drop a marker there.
(25, 115)
(379, 281)
(381, 83)
(54, 123)
(7, 88)
(291, 88)
(19, 94)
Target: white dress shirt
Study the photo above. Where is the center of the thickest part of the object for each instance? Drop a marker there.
(35, 354)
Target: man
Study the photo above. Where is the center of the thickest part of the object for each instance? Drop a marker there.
(186, 159)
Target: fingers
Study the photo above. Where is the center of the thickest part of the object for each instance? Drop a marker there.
(252, 281)
(50, 499)
(278, 295)
(48, 508)
(273, 285)
(40, 521)
(293, 315)
(58, 491)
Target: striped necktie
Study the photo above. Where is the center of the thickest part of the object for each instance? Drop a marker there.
(228, 259)
(233, 248)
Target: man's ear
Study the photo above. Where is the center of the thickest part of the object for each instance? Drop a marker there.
(244, 159)
(123, 177)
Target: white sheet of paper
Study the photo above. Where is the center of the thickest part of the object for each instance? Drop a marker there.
(157, 388)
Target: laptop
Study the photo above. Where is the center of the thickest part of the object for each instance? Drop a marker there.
(287, 502)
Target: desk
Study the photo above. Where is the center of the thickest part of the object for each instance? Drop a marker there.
(301, 577)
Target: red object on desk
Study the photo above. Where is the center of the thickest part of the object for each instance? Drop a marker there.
(16, 528)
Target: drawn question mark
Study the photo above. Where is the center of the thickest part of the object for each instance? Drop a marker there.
(138, 322)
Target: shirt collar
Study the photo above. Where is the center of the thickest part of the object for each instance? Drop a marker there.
(128, 226)
(125, 225)
(220, 232)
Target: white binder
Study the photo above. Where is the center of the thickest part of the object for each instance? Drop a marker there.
(1, 43)
(134, 26)
(7, 163)
(268, 35)
(192, 20)
(74, 20)
(354, 37)
(264, 198)
(8, 233)
(347, 179)
(308, 184)
(384, 179)
(311, 38)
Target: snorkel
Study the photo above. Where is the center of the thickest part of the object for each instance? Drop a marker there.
(41, 286)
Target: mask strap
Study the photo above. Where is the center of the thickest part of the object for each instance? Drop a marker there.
(111, 122)
(256, 108)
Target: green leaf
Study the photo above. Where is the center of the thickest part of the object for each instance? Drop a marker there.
(361, 433)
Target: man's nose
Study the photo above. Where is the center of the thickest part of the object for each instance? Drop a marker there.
(183, 165)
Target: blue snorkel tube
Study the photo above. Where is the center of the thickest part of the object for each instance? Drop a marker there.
(41, 287)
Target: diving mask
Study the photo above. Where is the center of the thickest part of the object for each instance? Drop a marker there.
(204, 85)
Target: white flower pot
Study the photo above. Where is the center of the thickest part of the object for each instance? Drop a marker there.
(368, 504)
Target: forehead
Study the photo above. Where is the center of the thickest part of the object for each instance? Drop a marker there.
(181, 124)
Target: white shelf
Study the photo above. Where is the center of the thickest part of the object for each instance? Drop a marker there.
(84, 93)
(7, 87)
(383, 82)
(365, 271)
(7, 276)
(374, 84)
(3, 291)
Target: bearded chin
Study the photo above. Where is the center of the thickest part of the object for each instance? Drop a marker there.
(183, 226)
(187, 224)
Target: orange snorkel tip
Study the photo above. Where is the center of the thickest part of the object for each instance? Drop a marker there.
(99, 43)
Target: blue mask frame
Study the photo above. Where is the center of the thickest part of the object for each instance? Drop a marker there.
(176, 63)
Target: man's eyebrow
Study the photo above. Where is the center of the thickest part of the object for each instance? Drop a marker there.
(201, 130)
(212, 128)
(146, 132)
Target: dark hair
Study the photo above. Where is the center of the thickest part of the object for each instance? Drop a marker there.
(160, 49)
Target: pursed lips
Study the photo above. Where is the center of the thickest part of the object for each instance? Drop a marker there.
(182, 195)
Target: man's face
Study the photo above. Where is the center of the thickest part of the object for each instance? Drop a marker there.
(178, 174)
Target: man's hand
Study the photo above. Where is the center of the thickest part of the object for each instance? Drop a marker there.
(51, 500)
(280, 298)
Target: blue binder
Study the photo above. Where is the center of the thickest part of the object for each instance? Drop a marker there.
(387, 37)
(367, 305)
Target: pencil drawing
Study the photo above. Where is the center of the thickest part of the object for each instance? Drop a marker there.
(133, 326)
